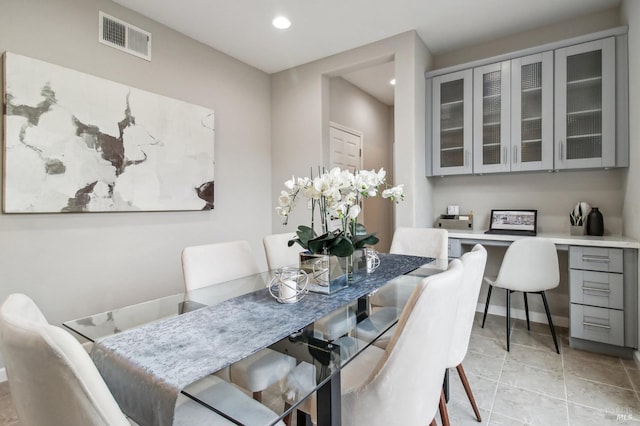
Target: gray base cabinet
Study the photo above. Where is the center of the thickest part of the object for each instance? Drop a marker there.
(601, 282)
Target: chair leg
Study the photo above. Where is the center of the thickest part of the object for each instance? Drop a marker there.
(553, 329)
(467, 389)
(257, 396)
(433, 423)
(508, 317)
(444, 414)
(526, 309)
(486, 305)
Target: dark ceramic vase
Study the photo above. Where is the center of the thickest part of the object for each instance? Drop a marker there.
(595, 222)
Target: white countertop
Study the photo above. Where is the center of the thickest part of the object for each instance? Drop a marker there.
(615, 241)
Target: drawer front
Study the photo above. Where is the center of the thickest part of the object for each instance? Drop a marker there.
(596, 288)
(597, 324)
(595, 259)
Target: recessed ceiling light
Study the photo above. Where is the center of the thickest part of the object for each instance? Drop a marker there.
(393, 82)
(281, 23)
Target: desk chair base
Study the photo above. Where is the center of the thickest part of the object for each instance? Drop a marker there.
(526, 309)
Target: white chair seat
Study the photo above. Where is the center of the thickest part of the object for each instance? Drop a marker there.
(261, 370)
(336, 324)
(377, 322)
(396, 292)
(225, 397)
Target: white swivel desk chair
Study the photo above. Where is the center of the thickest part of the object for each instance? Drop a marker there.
(54, 382)
(530, 265)
(212, 264)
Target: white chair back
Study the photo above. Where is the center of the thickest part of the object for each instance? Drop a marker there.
(216, 263)
(51, 377)
(530, 265)
(474, 263)
(278, 253)
(405, 387)
(427, 242)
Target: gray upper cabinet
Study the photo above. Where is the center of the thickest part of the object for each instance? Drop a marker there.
(532, 112)
(491, 115)
(585, 114)
(559, 106)
(451, 123)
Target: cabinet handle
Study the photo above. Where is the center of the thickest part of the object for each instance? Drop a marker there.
(560, 144)
(504, 155)
(591, 324)
(515, 154)
(596, 259)
(600, 290)
(466, 157)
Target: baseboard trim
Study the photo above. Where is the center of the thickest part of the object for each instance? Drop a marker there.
(520, 314)
(3, 375)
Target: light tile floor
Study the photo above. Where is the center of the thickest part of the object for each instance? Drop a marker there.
(530, 385)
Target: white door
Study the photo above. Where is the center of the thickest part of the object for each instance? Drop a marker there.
(345, 148)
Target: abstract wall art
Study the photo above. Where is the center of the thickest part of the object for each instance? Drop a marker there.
(78, 143)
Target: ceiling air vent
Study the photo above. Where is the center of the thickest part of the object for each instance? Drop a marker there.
(124, 36)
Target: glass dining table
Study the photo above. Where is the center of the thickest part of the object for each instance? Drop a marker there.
(150, 352)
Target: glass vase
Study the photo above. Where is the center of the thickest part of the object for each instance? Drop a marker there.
(327, 273)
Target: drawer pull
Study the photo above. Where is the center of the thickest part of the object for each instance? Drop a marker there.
(597, 259)
(601, 290)
(591, 324)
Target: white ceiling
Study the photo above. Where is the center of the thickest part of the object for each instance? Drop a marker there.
(242, 28)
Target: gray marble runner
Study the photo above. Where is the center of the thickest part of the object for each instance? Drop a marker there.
(147, 367)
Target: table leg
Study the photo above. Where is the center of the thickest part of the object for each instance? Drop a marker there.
(329, 402)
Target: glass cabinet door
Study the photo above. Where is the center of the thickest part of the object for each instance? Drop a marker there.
(585, 105)
(451, 123)
(491, 109)
(532, 112)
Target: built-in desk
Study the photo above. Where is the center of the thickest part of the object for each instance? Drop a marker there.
(603, 286)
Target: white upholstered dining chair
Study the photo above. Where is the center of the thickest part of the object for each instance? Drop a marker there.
(474, 263)
(530, 265)
(401, 385)
(386, 302)
(54, 382)
(279, 255)
(427, 242)
(211, 264)
(278, 252)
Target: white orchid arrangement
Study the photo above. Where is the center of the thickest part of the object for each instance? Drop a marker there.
(337, 195)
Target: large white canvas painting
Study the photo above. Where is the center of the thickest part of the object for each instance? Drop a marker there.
(78, 143)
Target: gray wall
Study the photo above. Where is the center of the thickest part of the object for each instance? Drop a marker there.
(358, 110)
(78, 264)
(300, 121)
